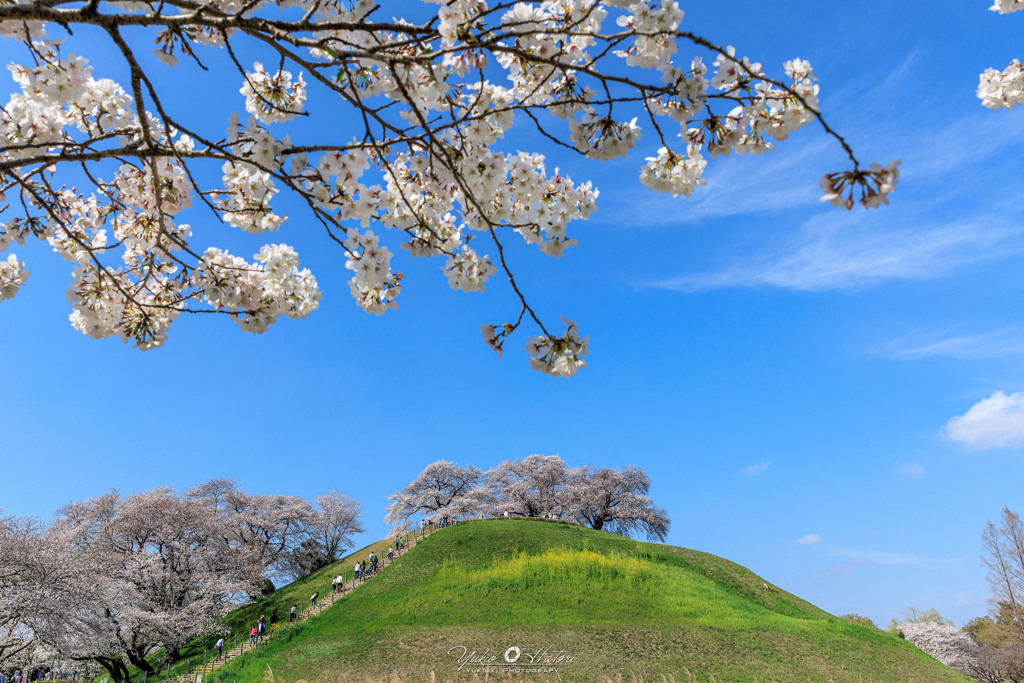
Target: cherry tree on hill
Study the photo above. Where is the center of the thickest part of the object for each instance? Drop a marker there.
(530, 486)
(329, 530)
(615, 500)
(272, 525)
(335, 520)
(116, 177)
(602, 498)
(443, 488)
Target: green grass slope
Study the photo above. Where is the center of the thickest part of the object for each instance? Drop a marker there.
(612, 605)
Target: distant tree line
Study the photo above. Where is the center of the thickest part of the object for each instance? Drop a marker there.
(114, 579)
(601, 498)
(989, 648)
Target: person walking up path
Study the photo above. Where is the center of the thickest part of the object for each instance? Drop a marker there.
(220, 649)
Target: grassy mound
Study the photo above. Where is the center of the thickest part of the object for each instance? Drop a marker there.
(584, 605)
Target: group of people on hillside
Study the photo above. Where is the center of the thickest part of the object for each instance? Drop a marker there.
(445, 521)
(367, 567)
(363, 571)
(258, 632)
(43, 673)
(370, 566)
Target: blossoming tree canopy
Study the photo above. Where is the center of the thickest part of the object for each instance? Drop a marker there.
(426, 169)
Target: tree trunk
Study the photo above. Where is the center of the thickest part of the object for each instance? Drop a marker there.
(171, 655)
(116, 667)
(140, 661)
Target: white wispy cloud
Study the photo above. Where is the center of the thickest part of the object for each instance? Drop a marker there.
(844, 569)
(787, 178)
(915, 469)
(899, 559)
(993, 422)
(1003, 342)
(754, 470)
(837, 255)
(927, 233)
(809, 539)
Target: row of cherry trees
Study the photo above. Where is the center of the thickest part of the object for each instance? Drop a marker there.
(535, 486)
(114, 579)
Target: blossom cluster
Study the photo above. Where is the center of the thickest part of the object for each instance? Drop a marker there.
(1002, 89)
(468, 271)
(559, 357)
(675, 173)
(247, 202)
(258, 293)
(873, 185)
(373, 286)
(273, 99)
(1007, 6)
(12, 276)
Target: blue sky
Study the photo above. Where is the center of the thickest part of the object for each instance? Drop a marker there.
(784, 371)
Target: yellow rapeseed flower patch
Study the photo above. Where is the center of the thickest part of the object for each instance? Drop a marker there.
(566, 567)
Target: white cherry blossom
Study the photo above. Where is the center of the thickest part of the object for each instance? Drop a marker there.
(273, 99)
(12, 276)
